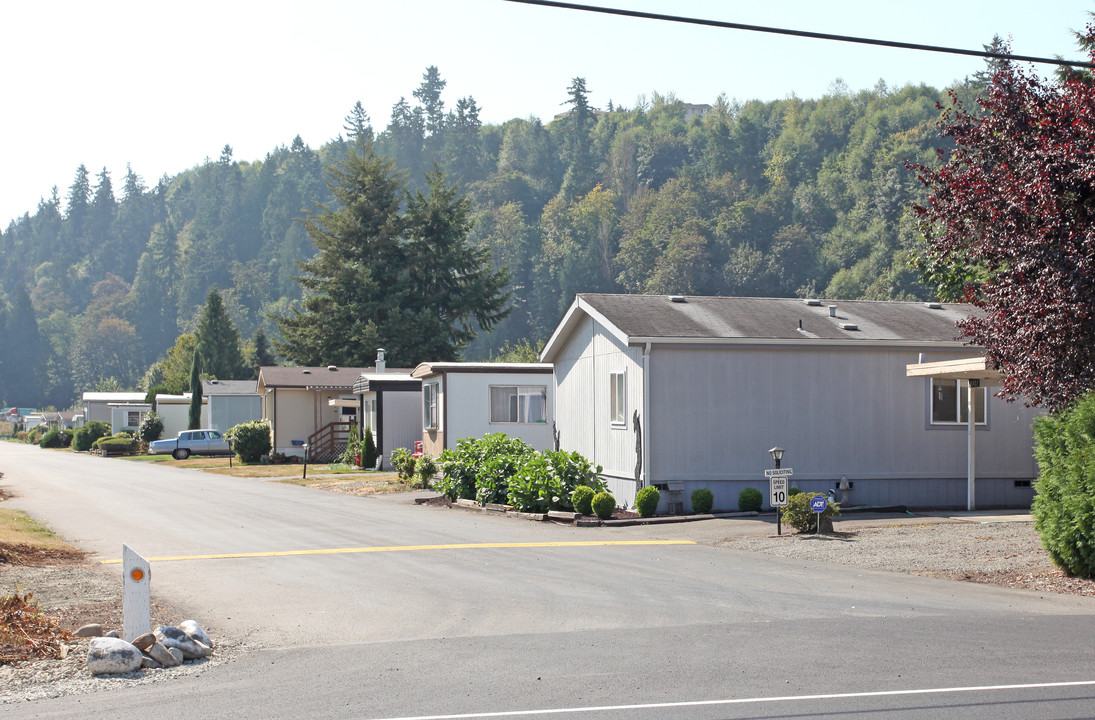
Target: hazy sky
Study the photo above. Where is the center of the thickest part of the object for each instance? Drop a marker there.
(163, 86)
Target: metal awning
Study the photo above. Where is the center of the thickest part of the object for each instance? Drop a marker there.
(975, 372)
(341, 402)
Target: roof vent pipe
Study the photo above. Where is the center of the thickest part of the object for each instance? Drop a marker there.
(381, 365)
(832, 311)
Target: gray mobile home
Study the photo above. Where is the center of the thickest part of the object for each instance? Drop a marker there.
(693, 391)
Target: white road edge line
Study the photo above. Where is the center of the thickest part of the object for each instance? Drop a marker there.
(742, 701)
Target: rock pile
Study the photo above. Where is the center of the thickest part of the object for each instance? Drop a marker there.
(166, 646)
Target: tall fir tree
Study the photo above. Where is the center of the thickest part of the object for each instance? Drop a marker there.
(194, 417)
(404, 280)
(219, 341)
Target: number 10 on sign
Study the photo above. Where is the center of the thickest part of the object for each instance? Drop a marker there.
(777, 487)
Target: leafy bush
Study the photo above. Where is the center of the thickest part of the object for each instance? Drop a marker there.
(702, 501)
(151, 428)
(795, 490)
(1064, 514)
(458, 467)
(121, 443)
(604, 505)
(368, 449)
(646, 501)
(87, 434)
(533, 487)
(798, 514)
(500, 458)
(582, 499)
(424, 469)
(52, 439)
(403, 463)
(251, 440)
(750, 500)
(36, 433)
(571, 470)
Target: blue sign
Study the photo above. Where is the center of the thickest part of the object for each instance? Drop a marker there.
(818, 504)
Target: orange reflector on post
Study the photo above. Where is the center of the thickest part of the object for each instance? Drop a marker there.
(137, 575)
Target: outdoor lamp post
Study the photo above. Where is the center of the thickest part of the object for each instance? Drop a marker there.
(777, 456)
(305, 474)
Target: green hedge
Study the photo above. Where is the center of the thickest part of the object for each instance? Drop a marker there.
(702, 501)
(646, 501)
(1064, 508)
(750, 500)
(87, 434)
(501, 469)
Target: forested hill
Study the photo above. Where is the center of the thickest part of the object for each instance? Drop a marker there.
(796, 196)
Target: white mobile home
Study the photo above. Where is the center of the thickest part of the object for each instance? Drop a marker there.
(470, 400)
(694, 391)
(231, 402)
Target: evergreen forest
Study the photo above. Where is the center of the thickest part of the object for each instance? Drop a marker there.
(104, 283)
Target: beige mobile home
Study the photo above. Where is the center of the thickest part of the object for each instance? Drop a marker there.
(694, 391)
(312, 406)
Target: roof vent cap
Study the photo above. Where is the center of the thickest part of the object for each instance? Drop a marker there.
(933, 305)
(832, 311)
(306, 372)
(812, 302)
(677, 298)
(847, 326)
(332, 368)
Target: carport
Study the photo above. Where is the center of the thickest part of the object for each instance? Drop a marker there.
(976, 373)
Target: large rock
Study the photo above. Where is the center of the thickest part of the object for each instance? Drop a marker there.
(90, 630)
(162, 655)
(173, 637)
(106, 656)
(194, 630)
(143, 642)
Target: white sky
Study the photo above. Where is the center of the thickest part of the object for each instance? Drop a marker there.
(164, 86)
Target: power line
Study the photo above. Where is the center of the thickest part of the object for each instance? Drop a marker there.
(804, 33)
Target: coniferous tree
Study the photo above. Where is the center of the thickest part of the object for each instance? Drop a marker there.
(219, 341)
(25, 353)
(260, 353)
(384, 277)
(194, 417)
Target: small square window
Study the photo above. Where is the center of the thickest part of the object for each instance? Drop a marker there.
(950, 402)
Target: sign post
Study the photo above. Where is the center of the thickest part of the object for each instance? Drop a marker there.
(136, 595)
(777, 498)
(818, 505)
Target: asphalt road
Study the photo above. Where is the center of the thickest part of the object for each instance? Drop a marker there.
(429, 613)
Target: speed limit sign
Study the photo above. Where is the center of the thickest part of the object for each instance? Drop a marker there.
(777, 488)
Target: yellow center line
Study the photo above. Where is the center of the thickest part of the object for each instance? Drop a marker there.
(402, 548)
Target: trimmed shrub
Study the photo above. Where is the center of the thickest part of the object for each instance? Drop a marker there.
(1063, 511)
(87, 434)
(121, 444)
(604, 505)
(646, 501)
(702, 501)
(151, 428)
(368, 449)
(251, 440)
(52, 439)
(582, 499)
(352, 449)
(750, 500)
(798, 514)
(795, 490)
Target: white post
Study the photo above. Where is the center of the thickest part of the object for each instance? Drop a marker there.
(136, 595)
(971, 463)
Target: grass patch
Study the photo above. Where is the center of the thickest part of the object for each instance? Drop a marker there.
(18, 528)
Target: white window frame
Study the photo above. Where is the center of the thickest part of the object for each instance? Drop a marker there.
(936, 386)
(617, 398)
(129, 418)
(430, 392)
(522, 408)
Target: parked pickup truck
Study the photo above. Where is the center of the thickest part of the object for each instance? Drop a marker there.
(192, 442)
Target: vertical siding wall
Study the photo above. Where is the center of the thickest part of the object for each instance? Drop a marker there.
(838, 413)
(582, 404)
(469, 407)
(402, 421)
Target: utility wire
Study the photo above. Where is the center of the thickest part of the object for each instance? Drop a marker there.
(804, 33)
